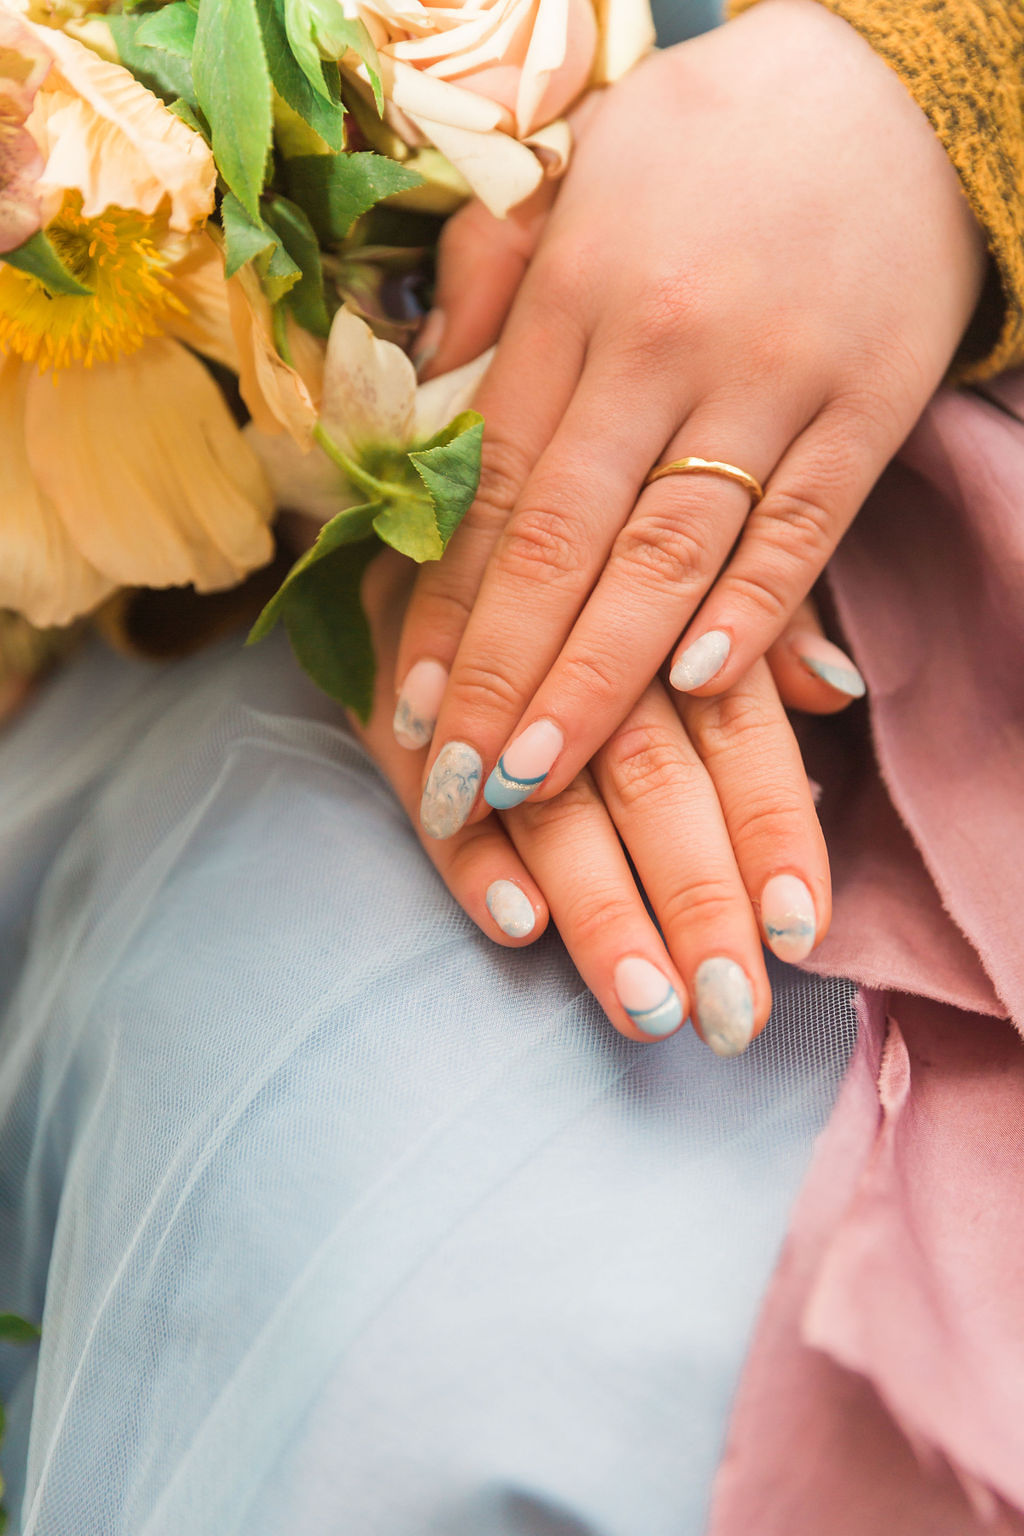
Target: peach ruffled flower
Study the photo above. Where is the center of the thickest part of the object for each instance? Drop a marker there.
(487, 81)
(123, 465)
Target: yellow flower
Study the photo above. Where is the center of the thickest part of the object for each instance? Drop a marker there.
(123, 465)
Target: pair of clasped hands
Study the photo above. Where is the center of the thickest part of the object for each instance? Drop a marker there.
(760, 255)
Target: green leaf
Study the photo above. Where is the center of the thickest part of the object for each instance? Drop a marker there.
(17, 1330)
(449, 466)
(327, 118)
(320, 29)
(410, 526)
(351, 526)
(299, 29)
(306, 298)
(252, 240)
(233, 89)
(172, 28)
(38, 258)
(181, 109)
(328, 630)
(335, 190)
(165, 74)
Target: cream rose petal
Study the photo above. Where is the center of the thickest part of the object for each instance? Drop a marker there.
(626, 30)
(148, 471)
(421, 95)
(500, 170)
(369, 388)
(42, 573)
(116, 143)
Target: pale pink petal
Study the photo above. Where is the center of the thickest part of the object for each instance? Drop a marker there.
(42, 573)
(626, 30)
(422, 95)
(305, 482)
(562, 52)
(441, 399)
(369, 388)
(501, 171)
(148, 471)
(24, 65)
(116, 143)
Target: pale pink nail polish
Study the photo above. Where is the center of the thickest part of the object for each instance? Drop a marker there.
(418, 704)
(828, 662)
(524, 765)
(648, 996)
(788, 917)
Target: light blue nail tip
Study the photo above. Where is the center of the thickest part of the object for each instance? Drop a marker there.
(451, 789)
(846, 679)
(502, 791)
(665, 1017)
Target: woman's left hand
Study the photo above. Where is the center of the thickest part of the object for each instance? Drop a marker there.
(762, 255)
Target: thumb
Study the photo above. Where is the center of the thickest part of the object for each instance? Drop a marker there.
(810, 672)
(481, 260)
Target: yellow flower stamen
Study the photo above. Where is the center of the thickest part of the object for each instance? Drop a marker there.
(117, 256)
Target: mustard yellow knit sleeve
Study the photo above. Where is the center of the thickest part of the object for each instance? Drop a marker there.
(963, 62)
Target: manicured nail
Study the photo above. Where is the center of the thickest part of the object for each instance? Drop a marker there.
(725, 1005)
(429, 340)
(451, 789)
(418, 704)
(829, 663)
(700, 661)
(788, 917)
(649, 998)
(511, 909)
(524, 765)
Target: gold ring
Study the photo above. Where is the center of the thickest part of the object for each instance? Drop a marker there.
(692, 466)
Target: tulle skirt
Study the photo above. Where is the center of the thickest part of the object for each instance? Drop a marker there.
(337, 1217)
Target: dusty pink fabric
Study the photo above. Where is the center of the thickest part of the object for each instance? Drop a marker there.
(885, 1389)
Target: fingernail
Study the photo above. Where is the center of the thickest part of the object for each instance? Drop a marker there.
(418, 704)
(788, 917)
(524, 765)
(429, 340)
(451, 789)
(511, 909)
(649, 998)
(700, 661)
(829, 663)
(725, 1005)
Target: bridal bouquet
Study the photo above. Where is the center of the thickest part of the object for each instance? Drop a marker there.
(217, 227)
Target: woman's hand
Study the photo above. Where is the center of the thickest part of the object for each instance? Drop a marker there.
(711, 802)
(760, 255)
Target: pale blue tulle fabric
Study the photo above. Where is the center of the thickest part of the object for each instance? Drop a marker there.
(339, 1218)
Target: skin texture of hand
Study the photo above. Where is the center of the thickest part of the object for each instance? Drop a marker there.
(761, 255)
(709, 799)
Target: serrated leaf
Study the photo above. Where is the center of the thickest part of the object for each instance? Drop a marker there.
(17, 1330)
(326, 118)
(232, 83)
(252, 240)
(306, 298)
(328, 629)
(449, 466)
(172, 28)
(165, 74)
(351, 526)
(335, 190)
(38, 258)
(410, 526)
(181, 109)
(298, 25)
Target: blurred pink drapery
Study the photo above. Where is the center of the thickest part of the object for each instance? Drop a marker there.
(884, 1392)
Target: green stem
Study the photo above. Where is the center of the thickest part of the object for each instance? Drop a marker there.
(380, 490)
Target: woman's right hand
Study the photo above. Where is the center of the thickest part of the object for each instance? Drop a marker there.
(711, 801)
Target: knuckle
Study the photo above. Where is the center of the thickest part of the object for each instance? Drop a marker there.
(443, 611)
(591, 678)
(771, 820)
(503, 469)
(709, 903)
(803, 523)
(736, 723)
(479, 685)
(539, 539)
(660, 552)
(559, 817)
(645, 761)
(595, 912)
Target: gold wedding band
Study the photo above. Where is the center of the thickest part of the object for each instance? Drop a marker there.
(692, 466)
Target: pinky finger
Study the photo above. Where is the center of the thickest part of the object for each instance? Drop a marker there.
(810, 672)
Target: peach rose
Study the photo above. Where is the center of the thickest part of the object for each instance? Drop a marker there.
(487, 81)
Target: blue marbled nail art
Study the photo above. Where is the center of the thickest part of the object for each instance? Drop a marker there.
(724, 1005)
(451, 789)
(663, 1019)
(502, 791)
